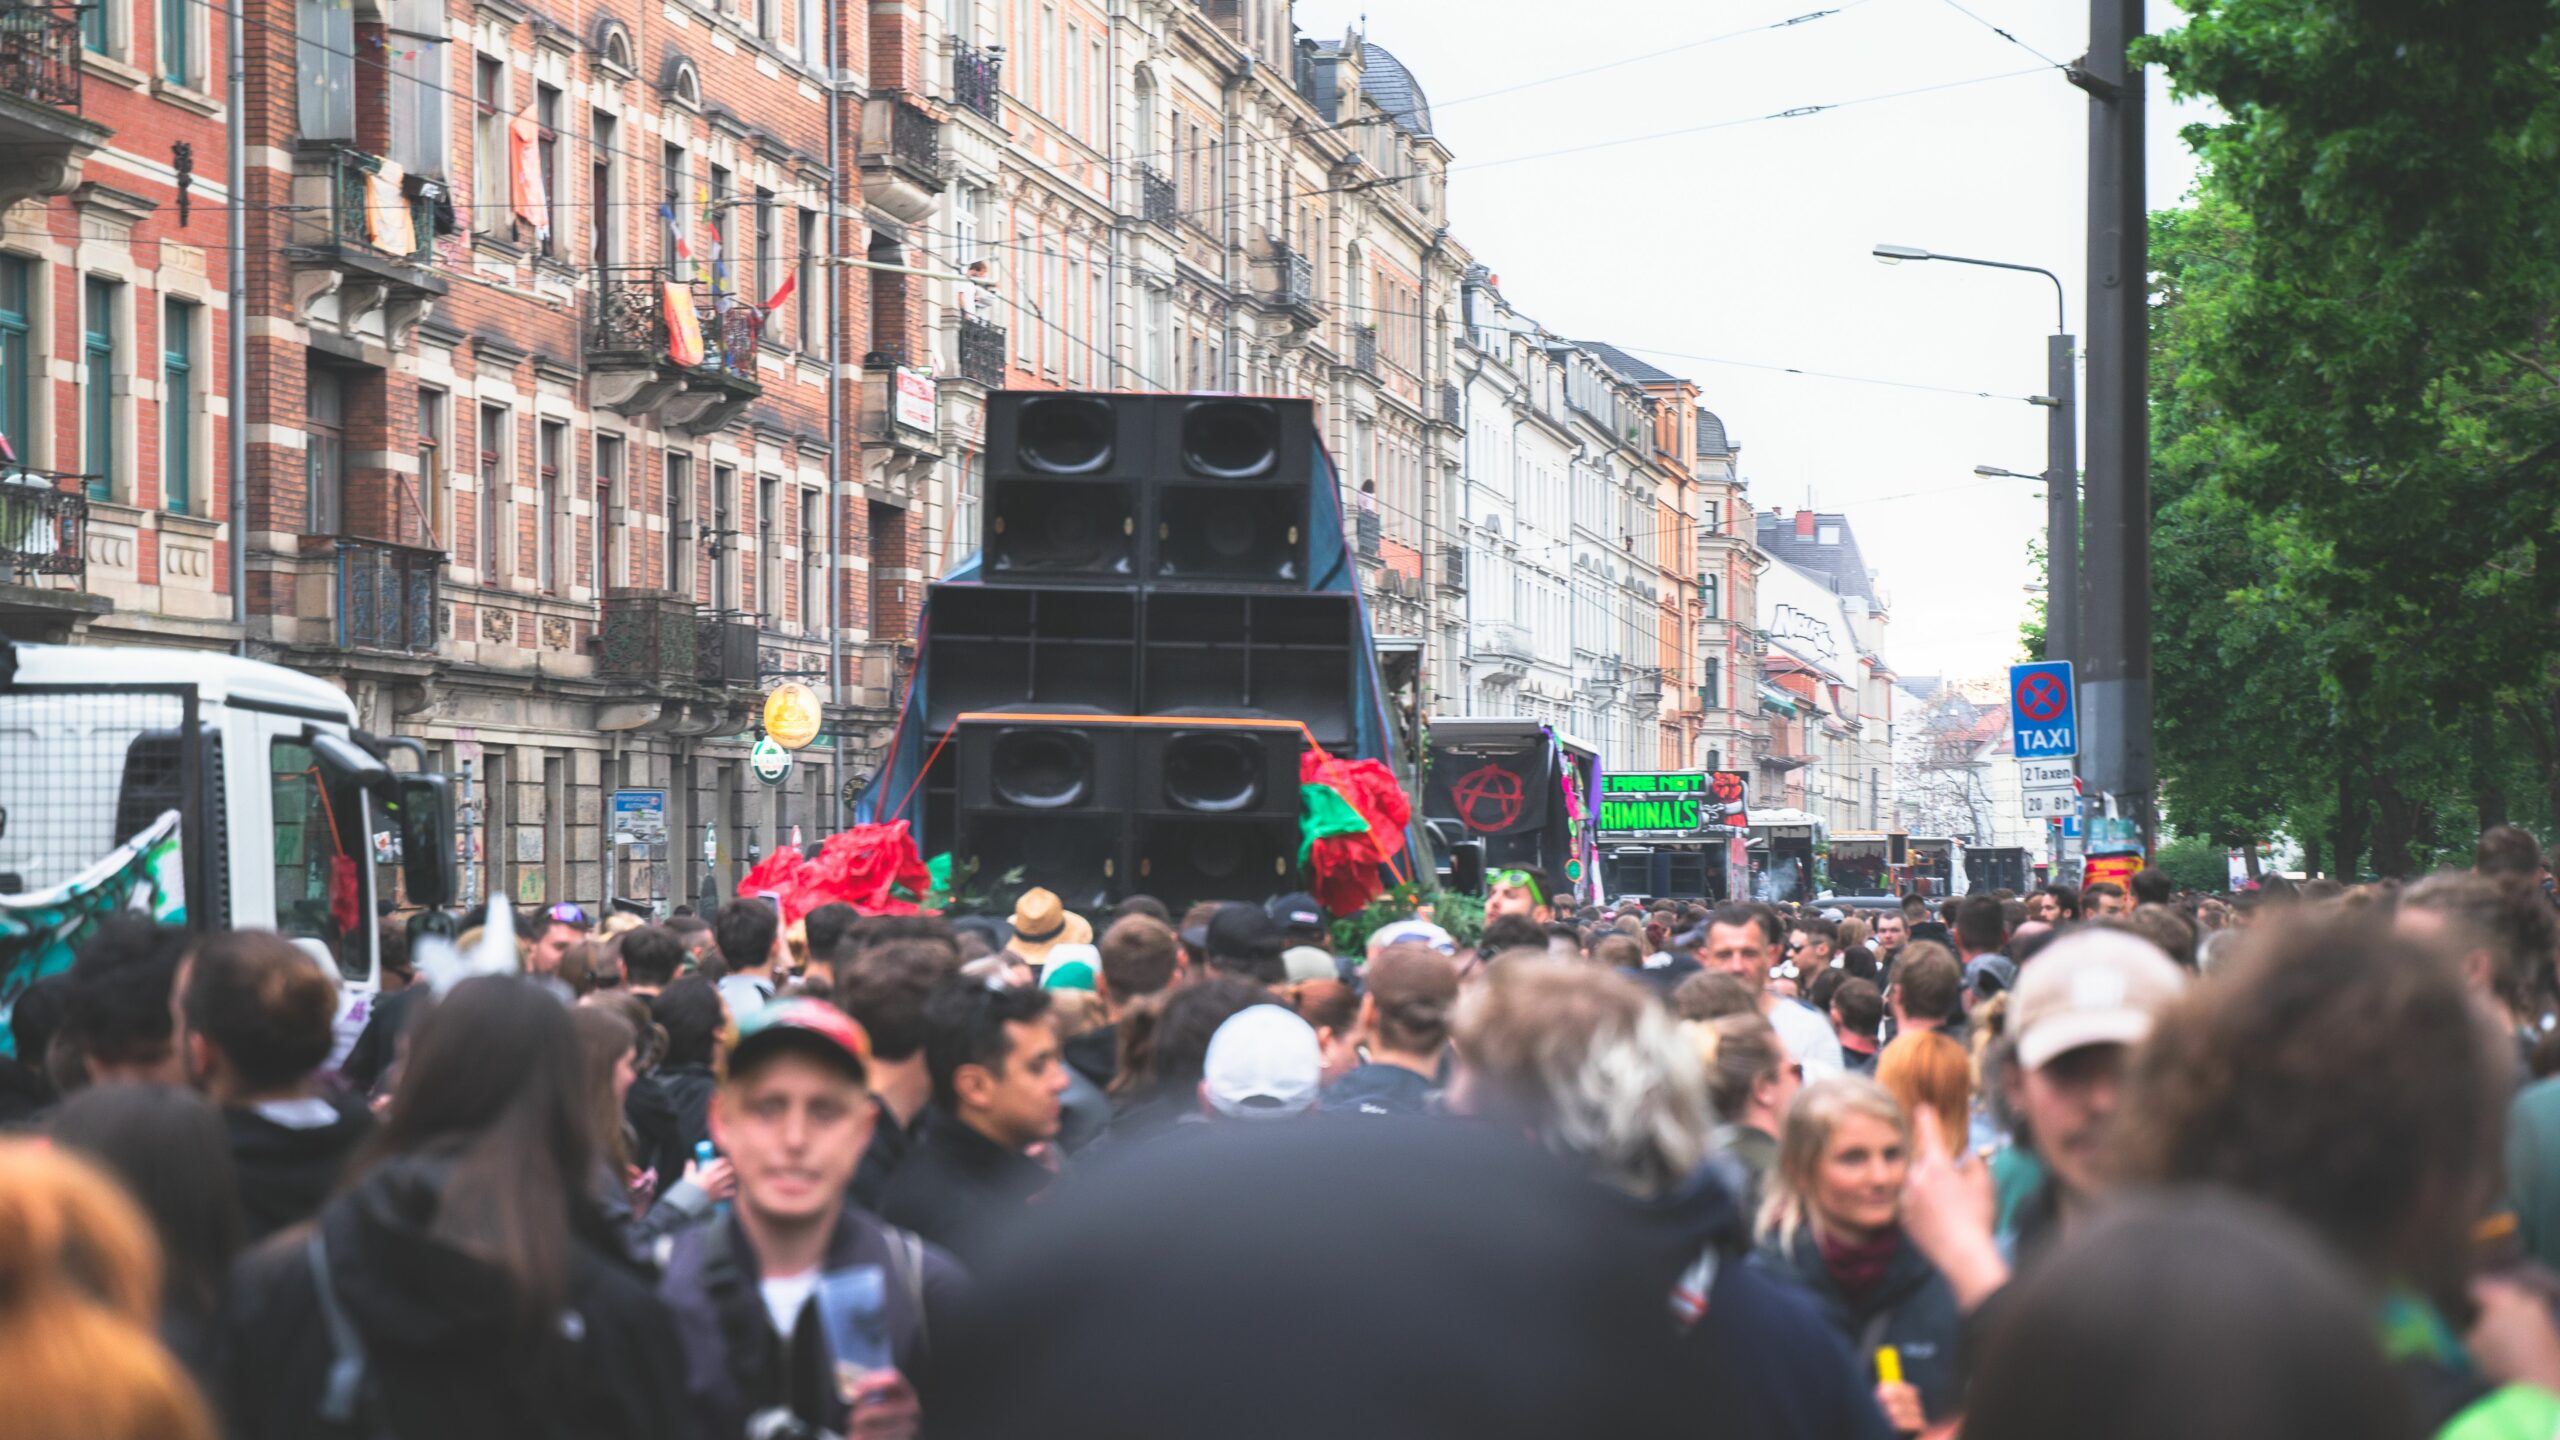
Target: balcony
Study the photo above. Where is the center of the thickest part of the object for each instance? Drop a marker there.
(44, 523)
(1644, 687)
(43, 136)
(982, 353)
(1289, 283)
(650, 636)
(389, 597)
(724, 650)
(360, 246)
(1450, 404)
(903, 166)
(631, 368)
(1364, 350)
(1159, 203)
(1504, 648)
(1453, 571)
(977, 81)
(1367, 531)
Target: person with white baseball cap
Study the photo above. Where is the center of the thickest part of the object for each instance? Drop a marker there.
(1396, 932)
(2080, 1008)
(1263, 1064)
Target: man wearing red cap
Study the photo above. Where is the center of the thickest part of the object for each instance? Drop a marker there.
(752, 1290)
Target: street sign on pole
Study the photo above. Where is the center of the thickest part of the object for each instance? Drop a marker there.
(2051, 804)
(639, 817)
(2043, 720)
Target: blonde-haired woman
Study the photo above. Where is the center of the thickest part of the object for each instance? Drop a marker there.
(79, 1294)
(1833, 1224)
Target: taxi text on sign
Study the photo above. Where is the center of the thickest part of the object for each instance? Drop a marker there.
(2044, 719)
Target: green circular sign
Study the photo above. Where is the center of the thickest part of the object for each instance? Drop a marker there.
(769, 760)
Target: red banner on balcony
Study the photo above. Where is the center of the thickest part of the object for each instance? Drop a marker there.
(684, 329)
(387, 222)
(525, 191)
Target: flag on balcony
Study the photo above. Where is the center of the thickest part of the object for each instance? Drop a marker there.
(387, 222)
(684, 331)
(675, 239)
(525, 191)
(781, 292)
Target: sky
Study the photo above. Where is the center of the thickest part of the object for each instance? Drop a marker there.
(1750, 242)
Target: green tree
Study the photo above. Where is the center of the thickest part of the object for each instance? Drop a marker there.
(2195, 863)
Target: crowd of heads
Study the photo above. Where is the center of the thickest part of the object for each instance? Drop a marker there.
(1925, 1146)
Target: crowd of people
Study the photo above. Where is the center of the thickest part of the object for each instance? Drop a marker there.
(2102, 1162)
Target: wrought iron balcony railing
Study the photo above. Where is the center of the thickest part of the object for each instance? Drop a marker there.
(355, 217)
(389, 596)
(724, 649)
(628, 314)
(1297, 278)
(649, 635)
(915, 142)
(1367, 531)
(977, 80)
(982, 352)
(43, 525)
(1364, 348)
(40, 53)
(1159, 203)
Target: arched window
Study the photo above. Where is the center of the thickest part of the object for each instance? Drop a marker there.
(1145, 88)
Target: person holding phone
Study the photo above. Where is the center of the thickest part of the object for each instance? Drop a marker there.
(770, 1298)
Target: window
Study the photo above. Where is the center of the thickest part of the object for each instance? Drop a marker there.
(604, 190)
(723, 234)
(1071, 107)
(1711, 688)
(324, 451)
(768, 276)
(311, 835)
(1026, 330)
(672, 169)
(613, 509)
(325, 35)
(804, 294)
(552, 563)
(176, 65)
(546, 150)
(679, 521)
(177, 406)
(430, 496)
(1097, 120)
(490, 209)
(1711, 596)
(419, 137)
(93, 28)
(812, 34)
(768, 596)
(767, 17)
(965, 511)
(98, 387)
(14, 354)
(1074, 321)
(1050, 348)
(813, 568)
(496, 477)
(724, 538)
(1046, 101)
(1145, 88)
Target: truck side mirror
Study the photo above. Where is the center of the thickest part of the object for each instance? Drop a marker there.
(423, 804)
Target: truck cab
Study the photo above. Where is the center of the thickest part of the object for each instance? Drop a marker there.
(285, 816)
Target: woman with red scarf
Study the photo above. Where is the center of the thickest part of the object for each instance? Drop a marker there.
(1833, 1224)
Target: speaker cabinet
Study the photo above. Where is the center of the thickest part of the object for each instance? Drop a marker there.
(1065, 489)
(1217, 770)
(1229, 494)
(1061, 435)
(988, 647)
(1183, 860)
(1049, 799)
(1273, 653)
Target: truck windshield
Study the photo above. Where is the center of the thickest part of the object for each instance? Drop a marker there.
(320, 889)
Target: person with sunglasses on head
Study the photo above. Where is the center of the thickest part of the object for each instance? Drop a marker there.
(1521, 892)
(553, 932)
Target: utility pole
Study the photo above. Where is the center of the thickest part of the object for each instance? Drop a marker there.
(2062, 500)
(2115, 642)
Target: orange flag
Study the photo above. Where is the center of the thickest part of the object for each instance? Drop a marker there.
(684, 329)
(525, 190)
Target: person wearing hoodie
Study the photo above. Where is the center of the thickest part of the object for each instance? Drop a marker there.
(253, 1015)
(463, 1283)
(1583, 1062)
(1833, 1225)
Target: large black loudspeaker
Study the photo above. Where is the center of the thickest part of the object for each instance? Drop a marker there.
(1065, 486)
(1049, 799)
(1273, 653)
(1229, 492)
(1217, 811)
(990, 647)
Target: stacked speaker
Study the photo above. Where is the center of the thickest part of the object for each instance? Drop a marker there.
(1140, 651)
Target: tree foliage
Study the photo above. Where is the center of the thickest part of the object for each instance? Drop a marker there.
(2356, 417)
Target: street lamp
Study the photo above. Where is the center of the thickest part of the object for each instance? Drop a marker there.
(2061, 440)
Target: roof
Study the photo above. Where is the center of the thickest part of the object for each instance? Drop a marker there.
(1628, 365)
(1711, 436)
(216, 676)
(1839, 563)
(1384, 79)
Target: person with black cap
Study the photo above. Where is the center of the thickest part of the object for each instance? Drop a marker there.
(752, 1290)
(1301, 920)
(1241, 940)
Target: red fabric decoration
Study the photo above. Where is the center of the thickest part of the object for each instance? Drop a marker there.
(1346, 866)
(860, 867)
(344, 911)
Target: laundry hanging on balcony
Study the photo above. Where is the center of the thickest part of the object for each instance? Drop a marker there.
(684, 329)
(525, 190)
(387, 221)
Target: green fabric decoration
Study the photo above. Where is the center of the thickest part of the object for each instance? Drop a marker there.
(1322, 812)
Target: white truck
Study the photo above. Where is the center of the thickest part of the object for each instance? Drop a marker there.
(210, 791)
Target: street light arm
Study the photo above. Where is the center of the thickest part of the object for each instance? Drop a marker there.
(2061, 318)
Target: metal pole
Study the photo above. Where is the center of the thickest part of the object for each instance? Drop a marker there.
(2062, 503)
(235, 382)
(2115, 659)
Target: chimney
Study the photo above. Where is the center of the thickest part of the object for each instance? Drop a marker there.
(1804, 524)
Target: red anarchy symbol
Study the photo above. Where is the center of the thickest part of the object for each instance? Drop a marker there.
(1490, 786)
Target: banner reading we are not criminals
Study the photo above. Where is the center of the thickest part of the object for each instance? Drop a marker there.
(1673, 802)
